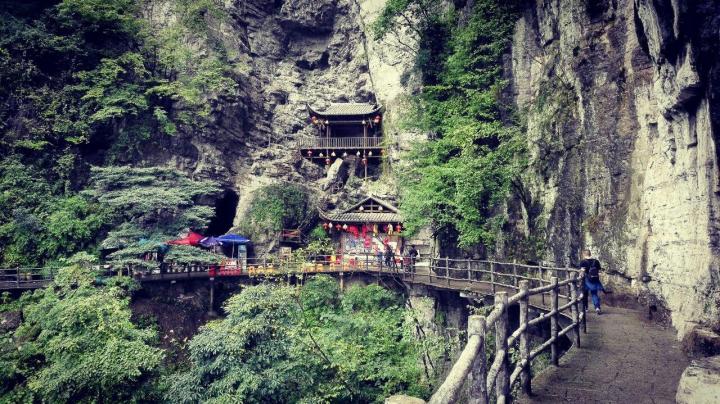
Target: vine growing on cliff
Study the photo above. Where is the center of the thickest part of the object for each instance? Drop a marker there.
(457, 181)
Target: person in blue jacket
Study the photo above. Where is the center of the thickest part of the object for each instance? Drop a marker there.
(592, 282)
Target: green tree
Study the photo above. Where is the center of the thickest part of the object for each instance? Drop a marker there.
(312, 344)
(77, 344)
(149, 206)
(278, 206)
(456, 181)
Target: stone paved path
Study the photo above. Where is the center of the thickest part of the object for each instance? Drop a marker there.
(623, 359)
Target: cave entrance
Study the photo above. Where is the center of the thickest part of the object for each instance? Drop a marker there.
(225, 208)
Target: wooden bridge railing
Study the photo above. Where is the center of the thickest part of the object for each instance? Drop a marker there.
(340, 143)
(472, 364)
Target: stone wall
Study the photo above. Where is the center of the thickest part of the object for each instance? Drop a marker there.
(621, 129)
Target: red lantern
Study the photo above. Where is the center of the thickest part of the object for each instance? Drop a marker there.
(377, 119)
(338, 227)
(313, 119)
(309, 153)
(398, 228)
(364, 160)
(327, 161)
(325, 226)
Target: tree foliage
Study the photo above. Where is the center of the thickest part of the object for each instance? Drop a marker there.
(86, 81)
(278, 206)
(77, 344)
(148, 206)
(456, 181)
(280, 344)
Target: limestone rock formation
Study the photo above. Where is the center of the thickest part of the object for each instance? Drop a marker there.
(700, 382)
(622, 110)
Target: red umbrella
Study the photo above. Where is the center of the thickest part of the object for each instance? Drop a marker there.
(191, 239)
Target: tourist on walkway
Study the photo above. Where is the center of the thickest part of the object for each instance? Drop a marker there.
(592, 282)
(389, 257)
(413, 253)
(379, 257)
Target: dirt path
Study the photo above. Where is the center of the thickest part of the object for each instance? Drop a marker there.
(623, 359)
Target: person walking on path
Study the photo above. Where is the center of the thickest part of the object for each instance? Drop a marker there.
(592, 282)
(413, 253)
(389, 257)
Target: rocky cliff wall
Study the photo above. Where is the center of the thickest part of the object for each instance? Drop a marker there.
(622, 121)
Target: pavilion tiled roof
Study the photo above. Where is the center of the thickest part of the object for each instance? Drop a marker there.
(346, 109)
(354, 215)
(357, 217)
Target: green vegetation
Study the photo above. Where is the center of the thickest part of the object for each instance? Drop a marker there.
(457, 181)
(281, 344)
(90, 82)
(148, 206)
(278, 206)
(77, 344)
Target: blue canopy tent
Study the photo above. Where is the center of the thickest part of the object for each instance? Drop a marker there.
(233, 239)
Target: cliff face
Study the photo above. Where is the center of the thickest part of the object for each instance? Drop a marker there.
(621, 106)
(623, 114)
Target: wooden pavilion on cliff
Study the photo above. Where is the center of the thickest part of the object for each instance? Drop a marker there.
(345, 129)
(363, 230)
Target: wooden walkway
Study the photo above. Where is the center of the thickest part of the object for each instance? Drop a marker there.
(622, 359)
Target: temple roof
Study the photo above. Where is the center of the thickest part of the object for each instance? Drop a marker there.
(369, 210)
(346, 109)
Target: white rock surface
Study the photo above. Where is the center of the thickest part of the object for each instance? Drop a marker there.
(700, 382)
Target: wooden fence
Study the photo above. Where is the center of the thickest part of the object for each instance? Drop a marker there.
(340, 143)
(535, 285)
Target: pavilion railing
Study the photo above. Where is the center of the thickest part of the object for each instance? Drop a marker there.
(340, 143)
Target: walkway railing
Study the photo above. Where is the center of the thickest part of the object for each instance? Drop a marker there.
(472, 364)
(340, 143)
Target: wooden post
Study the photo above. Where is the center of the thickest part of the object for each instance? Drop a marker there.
(478, 387)
(212, 312)
(554, 353)
(502, 382)
(525, 384)
(447, 270)
(575, 308)
(540, 275)
(584, 300)
(515, 274)
(342, 282)
(492, 276)
(467, 267)
(17, 276)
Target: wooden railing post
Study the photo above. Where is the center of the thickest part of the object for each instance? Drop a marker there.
(502, 382)
(492, 276)
(17, 276)
(525, 383)
(447, 270)
(584, 300)
(467, 266)
(541, 277)
(478, 388)
(515, 274)
(575, 308)
(554, 352)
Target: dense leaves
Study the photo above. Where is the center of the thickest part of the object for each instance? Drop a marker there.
(92, 82)
(278, 206)
(457, 181)
(280, 344)
(77, 344)
(147, 206)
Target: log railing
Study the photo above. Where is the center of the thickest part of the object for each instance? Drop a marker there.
(472, 366)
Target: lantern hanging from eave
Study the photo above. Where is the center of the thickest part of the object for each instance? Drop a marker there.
(364, 160)
(344, 154)
(358, 153)
(314, 120)
(370, 153)
(398, 228)
(338, 227)
(345, 226)
(309, 153)
(333, 154)
(325, 226)
(327, 162)
(377, 119)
